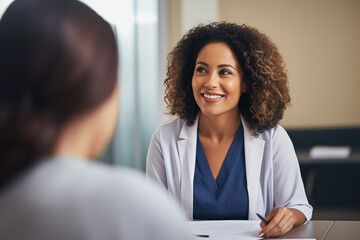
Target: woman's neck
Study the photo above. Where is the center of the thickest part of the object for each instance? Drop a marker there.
(219, 127)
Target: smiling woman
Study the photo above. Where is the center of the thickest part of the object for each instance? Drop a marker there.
(267, 95)
(226, 157)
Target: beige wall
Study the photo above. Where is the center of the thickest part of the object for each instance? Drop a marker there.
(320, 41)
(175, 23)
(185, 14)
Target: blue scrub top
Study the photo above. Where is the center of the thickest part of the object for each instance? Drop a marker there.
(227, 196)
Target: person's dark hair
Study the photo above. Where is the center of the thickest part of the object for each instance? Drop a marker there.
(267, 92)
(58, 59)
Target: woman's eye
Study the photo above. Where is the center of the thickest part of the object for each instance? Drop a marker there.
(200, 70)
(225, 72)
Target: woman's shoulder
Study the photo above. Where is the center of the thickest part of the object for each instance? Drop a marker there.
(273, 133)
(177, 123)
(64, 186)
(127, 197)
(266, 134)
(171, 129)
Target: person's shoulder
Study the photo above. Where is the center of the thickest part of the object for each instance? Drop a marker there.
(170, 129)
(108, 201)
(279, 132)
(105, 177)
(267, 134)
(86, 178)
(121, 186)
(273, 133)
(174, 124)
(140, 205)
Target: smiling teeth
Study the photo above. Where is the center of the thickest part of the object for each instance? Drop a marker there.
(212, 96)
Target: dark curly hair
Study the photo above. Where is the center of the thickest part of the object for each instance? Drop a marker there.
(267, 92)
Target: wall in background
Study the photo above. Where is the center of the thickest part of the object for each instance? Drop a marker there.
(136, 25)
(319, 41)
(185, 14)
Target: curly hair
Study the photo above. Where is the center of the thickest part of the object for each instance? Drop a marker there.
(267, 92)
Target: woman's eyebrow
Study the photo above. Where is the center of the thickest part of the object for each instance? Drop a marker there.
(202, 63)
(219, 66)
(226, 65)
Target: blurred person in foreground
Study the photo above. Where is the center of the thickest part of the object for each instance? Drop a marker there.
(58, 108)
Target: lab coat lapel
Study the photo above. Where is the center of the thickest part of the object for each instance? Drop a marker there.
(254, 149)
(187, 154)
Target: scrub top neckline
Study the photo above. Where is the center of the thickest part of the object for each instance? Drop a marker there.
(228, 161)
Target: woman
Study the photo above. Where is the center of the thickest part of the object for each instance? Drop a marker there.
(226, 157)
(58, 108)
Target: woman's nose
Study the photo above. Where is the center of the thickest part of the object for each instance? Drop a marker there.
(212, 81)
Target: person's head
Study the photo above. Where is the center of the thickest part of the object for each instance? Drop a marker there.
(58, 64)
(262, 90)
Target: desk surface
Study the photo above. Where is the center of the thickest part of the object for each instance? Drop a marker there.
(313, 229)
(344, 230)
(317, 229)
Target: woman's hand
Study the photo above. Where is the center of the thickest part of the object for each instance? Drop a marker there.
(281, 220)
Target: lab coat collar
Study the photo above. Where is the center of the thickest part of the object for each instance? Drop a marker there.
(189, 131)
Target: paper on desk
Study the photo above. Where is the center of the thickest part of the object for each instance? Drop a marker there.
(229, 230)
(330, 152)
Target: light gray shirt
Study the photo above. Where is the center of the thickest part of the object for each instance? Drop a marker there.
(66, 198)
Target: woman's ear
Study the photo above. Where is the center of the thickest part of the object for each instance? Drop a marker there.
(243, 84)
(244, 88)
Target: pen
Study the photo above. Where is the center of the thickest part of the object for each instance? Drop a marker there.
(262, 219)
(202, 236)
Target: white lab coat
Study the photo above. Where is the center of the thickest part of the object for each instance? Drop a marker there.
(272, 169)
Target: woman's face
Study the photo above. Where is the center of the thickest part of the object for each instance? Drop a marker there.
(217, 81)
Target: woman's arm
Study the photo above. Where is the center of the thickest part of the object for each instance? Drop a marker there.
(290, 202)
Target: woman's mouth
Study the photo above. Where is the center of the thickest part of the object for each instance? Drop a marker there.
(211, 97)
